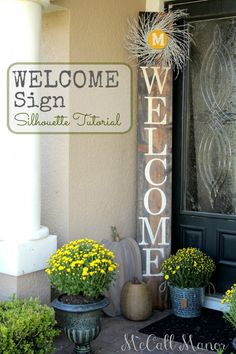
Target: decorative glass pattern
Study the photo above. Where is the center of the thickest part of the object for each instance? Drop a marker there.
(210, 128)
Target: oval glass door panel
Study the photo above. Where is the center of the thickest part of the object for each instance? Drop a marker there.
(210, 127)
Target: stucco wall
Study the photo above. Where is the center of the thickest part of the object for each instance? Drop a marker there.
(55, 148)
(102, 167)
(98, 172)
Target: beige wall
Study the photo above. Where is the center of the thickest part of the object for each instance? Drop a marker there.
(102, 167)
(55, 148)
(93, 177)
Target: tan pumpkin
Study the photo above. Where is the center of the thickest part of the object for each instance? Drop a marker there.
(136, 301)
(127, 255)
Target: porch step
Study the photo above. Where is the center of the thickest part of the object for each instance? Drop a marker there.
(214, 303)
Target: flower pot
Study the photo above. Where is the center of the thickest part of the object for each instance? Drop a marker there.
(234, 343)
(136, 301)
(81, 323)
(187, 302)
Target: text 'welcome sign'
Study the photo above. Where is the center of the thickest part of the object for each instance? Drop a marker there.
(69, 98)
(154, 169)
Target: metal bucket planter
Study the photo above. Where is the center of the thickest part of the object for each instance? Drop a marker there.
(187, 303)
(234, 343)
(81, 323)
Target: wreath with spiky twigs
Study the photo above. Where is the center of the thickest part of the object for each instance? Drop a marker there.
(175, 54)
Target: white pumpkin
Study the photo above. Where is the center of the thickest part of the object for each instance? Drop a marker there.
(127, 255)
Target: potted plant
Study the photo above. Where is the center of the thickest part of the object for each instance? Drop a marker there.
(188, 272)
(230, 315)
(81, 270)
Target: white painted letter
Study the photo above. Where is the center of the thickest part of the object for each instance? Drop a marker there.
(163, 201)
(147, 172)
(152, 236)
(150, 144)
(158, 40)
(153, 261)
(156, 76)
(157, 110)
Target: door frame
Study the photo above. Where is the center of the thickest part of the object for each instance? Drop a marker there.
(204, 9)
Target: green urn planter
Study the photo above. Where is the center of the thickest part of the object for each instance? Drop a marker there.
(81, 323)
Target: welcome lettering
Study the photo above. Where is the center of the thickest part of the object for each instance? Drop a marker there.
(154, 157)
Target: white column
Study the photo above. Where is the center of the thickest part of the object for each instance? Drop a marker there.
(24, 244)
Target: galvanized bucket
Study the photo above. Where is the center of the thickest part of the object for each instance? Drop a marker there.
(187, 302)
(234, 343)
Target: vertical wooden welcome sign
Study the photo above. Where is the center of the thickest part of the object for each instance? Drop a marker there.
(154, 174)
(158, 38)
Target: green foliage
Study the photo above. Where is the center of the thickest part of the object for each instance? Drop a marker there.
(26, 327)
(82, 267)
(188, 268)
(230, 298)
(220, 351)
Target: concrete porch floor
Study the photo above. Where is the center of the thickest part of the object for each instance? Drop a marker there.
(112, 338)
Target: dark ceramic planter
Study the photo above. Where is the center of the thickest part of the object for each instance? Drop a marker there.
(81, 323)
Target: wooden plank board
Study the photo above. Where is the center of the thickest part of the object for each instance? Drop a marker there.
(154, 174)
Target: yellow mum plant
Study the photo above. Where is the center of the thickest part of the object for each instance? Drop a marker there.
(188, 268)
(82, 267)
(230, 299)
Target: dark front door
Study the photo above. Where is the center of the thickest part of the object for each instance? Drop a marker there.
(204, 141)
